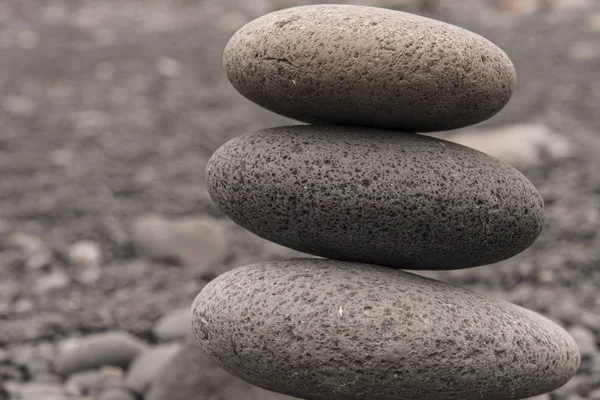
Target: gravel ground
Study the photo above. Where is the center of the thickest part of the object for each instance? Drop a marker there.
(110, 109)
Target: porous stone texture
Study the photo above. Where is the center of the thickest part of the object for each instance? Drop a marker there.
(357, 65)
(324, 329)
(192, 375)
(375, 196)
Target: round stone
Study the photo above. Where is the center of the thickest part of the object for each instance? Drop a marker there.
(361, 194)
(356, 65)
(323, 329)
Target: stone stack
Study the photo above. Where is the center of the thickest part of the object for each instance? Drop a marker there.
(362, 190)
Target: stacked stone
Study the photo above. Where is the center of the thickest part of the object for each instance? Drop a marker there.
(361, 190)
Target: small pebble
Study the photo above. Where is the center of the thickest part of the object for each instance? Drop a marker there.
(38, 391)
(594, 395)
(52, 282)
(520, 145)
(84, 383)
(117, 393)
(586, 340)
(168, 67)
(114, 348)
(35, 252)
(175, 325)
(149, 364)
(85, 254)
(197, 242)
(19, 106)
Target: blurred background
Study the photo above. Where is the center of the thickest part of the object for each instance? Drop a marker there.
(109, 111)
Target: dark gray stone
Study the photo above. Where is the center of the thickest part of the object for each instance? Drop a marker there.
(360, 194)
(356, 65)
(324, 329)
(192, 375)
(114, 348)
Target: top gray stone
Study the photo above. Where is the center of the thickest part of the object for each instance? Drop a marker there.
(369, 66)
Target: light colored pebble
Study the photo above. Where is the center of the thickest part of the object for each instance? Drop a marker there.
(117, 393)
(52, 282)
(19, 106)
(175, 325)
(34, 250)
(197, 242)
(521, 145)
(85, 253)
(169, 67)
(586, 340)
(28, 40)
(148, 365)
(115, 348)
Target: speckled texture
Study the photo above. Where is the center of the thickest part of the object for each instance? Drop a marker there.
(323, 329)
(369, 66)
(361, 194)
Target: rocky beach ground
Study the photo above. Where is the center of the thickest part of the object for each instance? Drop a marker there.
(109, 111)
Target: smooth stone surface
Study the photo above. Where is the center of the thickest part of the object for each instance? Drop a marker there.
(117, 393)
(198, 242)
(359, 194)
(174, 325)
(356, 65)
(150, 364)
(115, 348)
(192, 375)
(324, 329)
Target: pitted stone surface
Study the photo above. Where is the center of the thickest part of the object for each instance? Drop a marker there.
(324, 329)
(360, 194)
(356, 65)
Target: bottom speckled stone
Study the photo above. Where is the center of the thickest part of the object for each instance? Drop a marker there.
(323, 329)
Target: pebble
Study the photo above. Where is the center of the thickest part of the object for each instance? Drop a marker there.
(149, 364)
(85, 253)
(324, 329)
(117, 393)
(192, 375)
(84, 383)
(52, 282)
(544, 396)
(115, 348)
(406, 72)
(19, 106)
(37, 391)
(175, 325)
(585, 339)
(520, 145)
(198, 242)
(168, 67)
(406, 201)
(36, 254)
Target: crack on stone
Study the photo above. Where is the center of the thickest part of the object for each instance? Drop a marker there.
(283, 60)
(283, 23)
